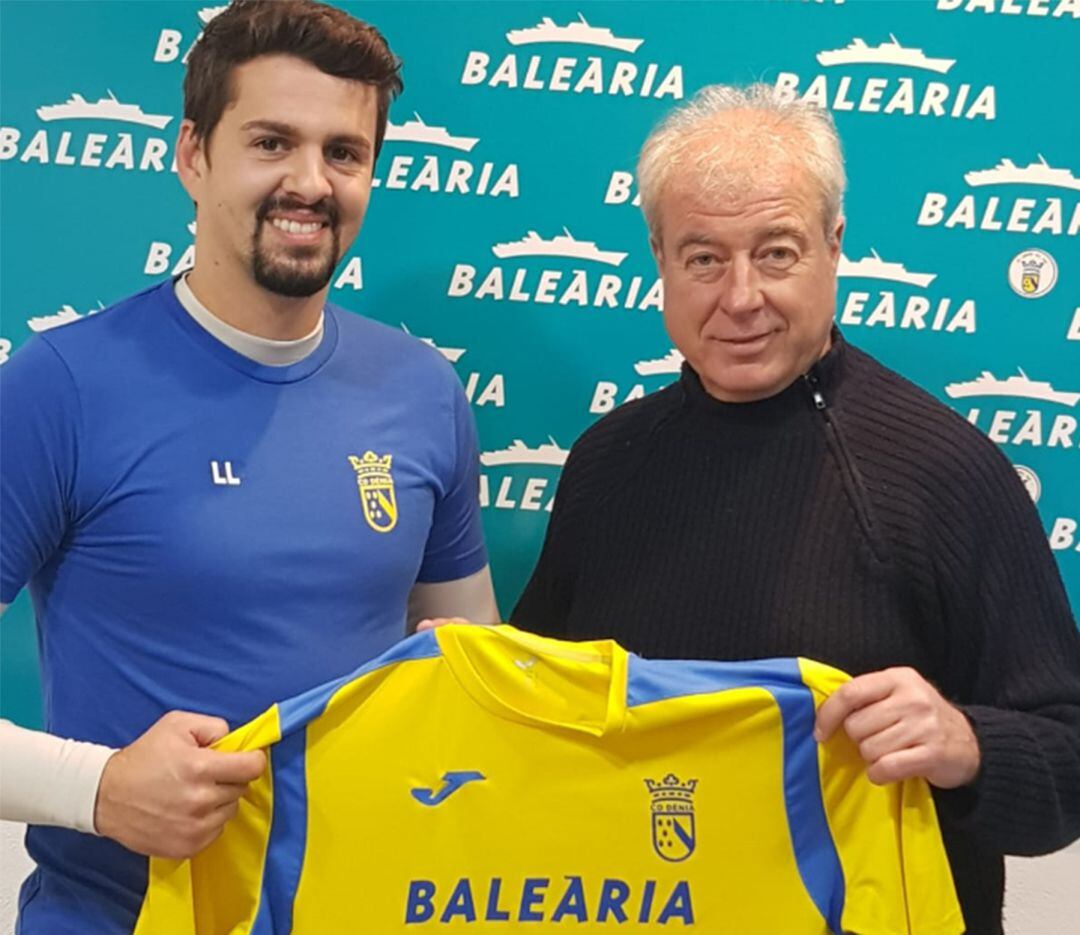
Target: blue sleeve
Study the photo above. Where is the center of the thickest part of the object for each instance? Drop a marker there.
(39, 422)
(455, 547)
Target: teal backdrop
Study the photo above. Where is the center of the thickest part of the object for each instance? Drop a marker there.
(960, 269)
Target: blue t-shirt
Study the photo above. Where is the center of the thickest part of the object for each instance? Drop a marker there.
(206, 533)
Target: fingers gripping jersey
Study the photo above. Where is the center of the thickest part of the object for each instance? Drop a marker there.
(477, 779)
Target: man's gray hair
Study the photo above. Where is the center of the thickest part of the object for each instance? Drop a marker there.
(786, 126)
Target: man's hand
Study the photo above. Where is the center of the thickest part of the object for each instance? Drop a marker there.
(903, 728)
(165, 795)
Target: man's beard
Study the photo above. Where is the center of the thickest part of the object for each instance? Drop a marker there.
(296, 272)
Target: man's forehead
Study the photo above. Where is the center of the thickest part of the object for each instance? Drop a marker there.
(286, 89)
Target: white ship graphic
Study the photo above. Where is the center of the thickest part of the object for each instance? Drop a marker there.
(104, 108)
(63, 316)
(564, 244)
(207, 13)
(986, 384)
(517, 452)
(416, 131)
(1008, 172)
(874, 267)
(671, 362)
(452, 354)
(857, 52)
(579, 33)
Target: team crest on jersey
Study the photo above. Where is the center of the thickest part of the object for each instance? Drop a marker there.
(376, 485)
(673, 830)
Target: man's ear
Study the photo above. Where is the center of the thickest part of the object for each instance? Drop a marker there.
(836, 239)
(191, 161)
(656, 245)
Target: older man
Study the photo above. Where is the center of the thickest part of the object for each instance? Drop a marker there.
(791, 496)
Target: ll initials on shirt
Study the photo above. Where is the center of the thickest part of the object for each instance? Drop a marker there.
(222, 474)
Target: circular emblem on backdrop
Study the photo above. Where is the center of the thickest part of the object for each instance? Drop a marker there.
(1032, 273)
(1031, 482)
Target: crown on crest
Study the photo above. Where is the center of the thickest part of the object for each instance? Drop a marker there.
(1030, 264)
(370, 463)
(671, 789)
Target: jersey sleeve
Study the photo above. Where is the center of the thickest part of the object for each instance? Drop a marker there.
(39, 440)
(455, 546)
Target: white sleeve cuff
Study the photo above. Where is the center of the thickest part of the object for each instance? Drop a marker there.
(47, 780)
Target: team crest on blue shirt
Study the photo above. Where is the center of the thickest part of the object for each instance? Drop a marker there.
(376, 485)
(673, 830)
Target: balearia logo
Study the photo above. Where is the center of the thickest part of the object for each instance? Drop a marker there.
(159, 261)
(1030, 480)
(171, 41)
(903, 94)
(1032, 273)
(480, 389)
(915, 311)
(574, 287)
(514, 491)
(1013, 426)
(994, 212)
(608, 395)
(579, 74)
(1054, 8)
(62, 316)
(622, 189)
(433, 172)
(132, 151)
(1063, 535)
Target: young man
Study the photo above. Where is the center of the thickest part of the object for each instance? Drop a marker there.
(223, 491)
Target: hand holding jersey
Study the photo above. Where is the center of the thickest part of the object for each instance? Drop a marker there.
(903, 728)
(166, 794)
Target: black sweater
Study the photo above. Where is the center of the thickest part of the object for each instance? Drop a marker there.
(855, 520)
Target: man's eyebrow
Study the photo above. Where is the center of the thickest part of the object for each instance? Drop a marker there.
(783, 230)
(285, 129)
(694, 238)
(270, 126)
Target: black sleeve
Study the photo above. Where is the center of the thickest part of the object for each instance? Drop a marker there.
(544, 606)
(1010, 625)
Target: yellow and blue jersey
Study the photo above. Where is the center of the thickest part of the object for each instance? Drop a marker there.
(481, 779)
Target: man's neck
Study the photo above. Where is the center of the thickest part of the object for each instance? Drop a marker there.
(250, 308)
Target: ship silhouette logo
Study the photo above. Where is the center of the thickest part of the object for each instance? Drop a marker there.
(874, 267)
(577, 32)
(857, 52)
(77, 107)
(208, 13)
(671, 362)
(62, 316)
(564, 244)
(517, 452)
(1008, 172)
(416, 131)
(1019, 385)
(452, 354)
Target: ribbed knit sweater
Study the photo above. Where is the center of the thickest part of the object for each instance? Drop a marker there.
(855, 520)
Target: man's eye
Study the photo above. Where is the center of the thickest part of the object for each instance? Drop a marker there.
(342, 154)
(270, 144)
(702, 259)
(780, 255)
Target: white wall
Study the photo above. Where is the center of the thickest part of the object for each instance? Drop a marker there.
(1043, 895)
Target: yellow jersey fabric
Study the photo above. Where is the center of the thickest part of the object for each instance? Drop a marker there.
(477, 779)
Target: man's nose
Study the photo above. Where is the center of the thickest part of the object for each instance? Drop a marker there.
(307, 178)
(741, 288)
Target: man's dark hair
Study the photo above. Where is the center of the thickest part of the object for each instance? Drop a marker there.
(330, 39)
